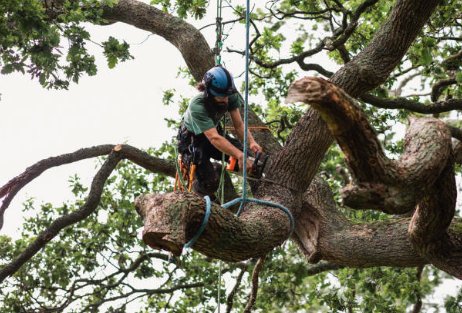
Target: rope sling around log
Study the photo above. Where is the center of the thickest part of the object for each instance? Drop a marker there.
(205, 220)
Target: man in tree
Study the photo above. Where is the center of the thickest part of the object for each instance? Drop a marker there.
(381, 263)
(201, 137)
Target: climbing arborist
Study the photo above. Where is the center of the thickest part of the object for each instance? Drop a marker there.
(200, 136)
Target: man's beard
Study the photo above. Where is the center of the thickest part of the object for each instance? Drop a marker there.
(221, 107)
(216, 107)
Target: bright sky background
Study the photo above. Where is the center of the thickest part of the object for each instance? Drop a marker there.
(122, 105)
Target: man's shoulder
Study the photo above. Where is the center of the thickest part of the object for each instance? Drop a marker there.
(196, 108)
(196, 105)
(197, 100)
(196, 118)
(235, 101)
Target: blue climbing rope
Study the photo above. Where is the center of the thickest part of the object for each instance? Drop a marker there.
(264, 202)
(246, 104)
(205, 220)
(243, 200)
(219, 33)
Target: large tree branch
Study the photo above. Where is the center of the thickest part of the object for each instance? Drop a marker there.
(424, 171)
(427, 141)
(89, 207)
(171, 220)
(324, 233)
(10, 189)
(429, 228)
(189, 41)
(116, 153)
(414, 106)
(141, 158)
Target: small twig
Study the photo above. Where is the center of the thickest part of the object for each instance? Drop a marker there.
(223, 23)
(414, 106)
(418, 305)
(439, 87)
(254, 291)
(397, 92)
(230, 299)
(314, 67)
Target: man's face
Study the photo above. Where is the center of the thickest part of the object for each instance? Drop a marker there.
(221, 100)
(220, 103)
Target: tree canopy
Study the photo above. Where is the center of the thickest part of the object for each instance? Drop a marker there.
(376, 216)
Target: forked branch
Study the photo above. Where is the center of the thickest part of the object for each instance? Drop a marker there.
(89, 207)
(141, 158)
(422, 179)
(116, 153)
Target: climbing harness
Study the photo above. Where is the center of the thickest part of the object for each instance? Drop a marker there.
(186, 169)
(181, 173)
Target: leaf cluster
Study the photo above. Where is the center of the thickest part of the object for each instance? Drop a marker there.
(48, 40)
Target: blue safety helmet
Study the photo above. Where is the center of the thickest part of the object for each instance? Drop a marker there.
(218, 82)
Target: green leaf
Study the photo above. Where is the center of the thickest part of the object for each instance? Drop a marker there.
(459, 77)
(426, 56)
(116, 51)
(7, 69)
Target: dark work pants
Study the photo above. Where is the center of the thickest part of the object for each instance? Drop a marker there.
(207, 178)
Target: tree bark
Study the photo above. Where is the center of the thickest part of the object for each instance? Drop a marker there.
(341, 241)
(172, 219)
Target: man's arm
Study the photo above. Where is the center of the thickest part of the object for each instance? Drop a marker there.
(222, 144)
(239, 127)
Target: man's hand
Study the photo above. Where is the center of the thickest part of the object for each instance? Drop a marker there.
(240, 161)
(255, 147)
(239, 127)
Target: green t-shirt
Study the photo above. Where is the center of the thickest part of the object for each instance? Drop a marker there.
(196, 118)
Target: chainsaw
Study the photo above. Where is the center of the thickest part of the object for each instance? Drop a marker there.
(258, 165)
